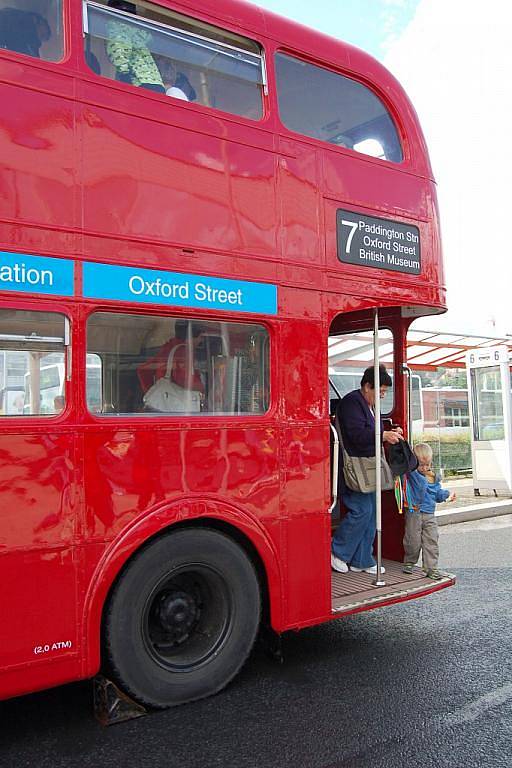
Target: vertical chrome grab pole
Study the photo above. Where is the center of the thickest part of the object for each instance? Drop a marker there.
(378, 582)
(335, 465)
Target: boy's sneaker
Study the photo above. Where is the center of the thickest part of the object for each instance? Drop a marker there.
(433, 573)
(338, 565)
(408, 568)
(372, 569)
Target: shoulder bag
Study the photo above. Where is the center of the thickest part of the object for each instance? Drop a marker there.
(165, 396)
(359, 472)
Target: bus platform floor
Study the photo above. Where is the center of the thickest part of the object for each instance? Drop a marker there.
(351, 591)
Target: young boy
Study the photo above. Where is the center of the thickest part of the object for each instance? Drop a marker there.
(422, 492)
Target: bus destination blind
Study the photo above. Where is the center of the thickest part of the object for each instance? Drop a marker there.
(381, 243)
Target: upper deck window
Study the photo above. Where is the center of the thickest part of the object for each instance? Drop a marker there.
(325, 105)
(151, 47)
(32, 27)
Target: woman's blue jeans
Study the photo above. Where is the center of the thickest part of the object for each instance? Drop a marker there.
(353, 539)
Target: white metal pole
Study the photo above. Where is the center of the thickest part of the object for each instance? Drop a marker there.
(378, 582)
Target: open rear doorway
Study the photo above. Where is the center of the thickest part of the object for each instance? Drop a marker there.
(350, 351)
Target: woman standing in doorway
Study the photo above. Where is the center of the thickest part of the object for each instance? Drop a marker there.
(352, 544)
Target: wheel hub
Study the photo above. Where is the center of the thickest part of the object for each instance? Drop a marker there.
(177, 612)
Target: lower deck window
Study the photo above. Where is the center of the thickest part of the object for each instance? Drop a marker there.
(161, 365)
(32, 363)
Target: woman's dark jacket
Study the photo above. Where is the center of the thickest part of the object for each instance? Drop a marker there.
(357, 424)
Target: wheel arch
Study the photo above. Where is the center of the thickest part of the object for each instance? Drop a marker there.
(236, 523)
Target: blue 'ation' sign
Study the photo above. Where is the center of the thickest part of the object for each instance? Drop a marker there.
(151, 286)
(26, 273)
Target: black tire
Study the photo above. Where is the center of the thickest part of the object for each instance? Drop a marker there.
(182, 618)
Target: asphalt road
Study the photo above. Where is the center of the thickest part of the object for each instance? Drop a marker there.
(426, 684)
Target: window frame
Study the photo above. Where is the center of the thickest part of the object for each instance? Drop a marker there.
(359, 79)
(456, 418)
(39, 418)
(390, 368)
(478, 426)
(65, 17)
(141, 418)
(263, 68)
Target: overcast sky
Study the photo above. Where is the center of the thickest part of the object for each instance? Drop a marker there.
(454, 58)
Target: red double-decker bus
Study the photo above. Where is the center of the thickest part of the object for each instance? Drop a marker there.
(202, 205)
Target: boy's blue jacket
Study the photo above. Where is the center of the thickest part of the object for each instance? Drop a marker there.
(422, 496)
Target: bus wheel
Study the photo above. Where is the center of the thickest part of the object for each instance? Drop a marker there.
(183, 618)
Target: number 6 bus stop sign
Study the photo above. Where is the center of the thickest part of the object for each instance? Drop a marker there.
(381, 243)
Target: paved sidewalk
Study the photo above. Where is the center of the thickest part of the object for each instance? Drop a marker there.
(467, 506)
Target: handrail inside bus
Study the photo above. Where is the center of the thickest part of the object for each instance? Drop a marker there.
(408, 373)
(335, 461)
(333, 385)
